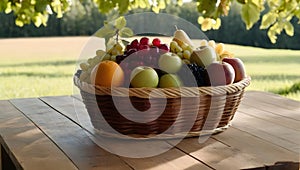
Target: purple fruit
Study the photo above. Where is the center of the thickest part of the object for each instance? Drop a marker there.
(144, 41)
(164, 48)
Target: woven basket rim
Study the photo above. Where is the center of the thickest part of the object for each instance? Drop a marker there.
(162, 92)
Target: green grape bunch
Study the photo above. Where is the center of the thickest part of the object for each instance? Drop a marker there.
(112, 32)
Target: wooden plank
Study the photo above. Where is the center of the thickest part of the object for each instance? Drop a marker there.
(244, 155)
(172, 159)
(269, 116)
(68, 136)
(263, 150)
(275, 99)
(27, 146)
(7, 163)
(70, 107)
(274, 109)
(269, 131)
(221, 156)
(218, 155)
(278, 105)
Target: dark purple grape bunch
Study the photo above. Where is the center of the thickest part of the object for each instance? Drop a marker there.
(193, 75)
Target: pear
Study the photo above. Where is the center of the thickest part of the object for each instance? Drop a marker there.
(181, 37)
(203, 56)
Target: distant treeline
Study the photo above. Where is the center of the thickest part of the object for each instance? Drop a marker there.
(84, 20)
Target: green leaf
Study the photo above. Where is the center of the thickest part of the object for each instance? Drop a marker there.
(273, 4)
(105, 31)
(180, 2)
(19, 23)
(268, 19)
(277, 27)
(272, 36)
(126, 32)
(289, 29)
(258, 3)
(142, 3)
(37, 20)
(155, 9)
(110, 42)
(123, 7)
(206, 7)
(120, 23)
(250, 14)
(45, 18)
(105, 6)
(161, 4)
(291, 5)
(297, 13)
(3, 5)
(125, 42)
(8, 8)
(274, 30)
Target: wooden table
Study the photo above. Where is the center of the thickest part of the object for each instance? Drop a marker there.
(42, 133)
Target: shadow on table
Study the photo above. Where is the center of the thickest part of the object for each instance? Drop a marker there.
(279, 166)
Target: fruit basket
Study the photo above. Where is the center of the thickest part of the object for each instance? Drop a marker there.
(99, 100)
(173, 90)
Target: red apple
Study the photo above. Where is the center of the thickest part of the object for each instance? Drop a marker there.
(238, 66)
(220, 73)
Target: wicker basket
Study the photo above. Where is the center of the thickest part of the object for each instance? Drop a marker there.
(188, 111)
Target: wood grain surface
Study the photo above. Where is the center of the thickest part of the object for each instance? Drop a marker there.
(56, 133)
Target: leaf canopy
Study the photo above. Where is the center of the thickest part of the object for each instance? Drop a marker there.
(277, 14)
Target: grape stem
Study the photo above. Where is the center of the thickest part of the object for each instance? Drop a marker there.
(117, 35)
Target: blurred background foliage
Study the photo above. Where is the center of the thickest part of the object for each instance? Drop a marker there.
(84, 19)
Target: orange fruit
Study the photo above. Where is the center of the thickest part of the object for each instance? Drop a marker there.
(107, 73)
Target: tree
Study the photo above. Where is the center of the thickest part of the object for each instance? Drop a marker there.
(277, 14)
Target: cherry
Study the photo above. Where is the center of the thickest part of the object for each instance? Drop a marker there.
(144, 41)
(135, 44)
(128, 47)
(156, 42)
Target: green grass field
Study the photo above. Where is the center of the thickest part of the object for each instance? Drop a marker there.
(45, 66)
(276, 71)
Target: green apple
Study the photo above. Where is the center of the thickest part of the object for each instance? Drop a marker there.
(169, 80)
(144, 76)
(204, 56)
(169, 62)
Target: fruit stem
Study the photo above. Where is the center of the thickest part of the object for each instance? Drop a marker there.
(176, 27)
(117, 35)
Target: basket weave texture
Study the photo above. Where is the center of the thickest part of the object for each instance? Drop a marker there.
(186, 111)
